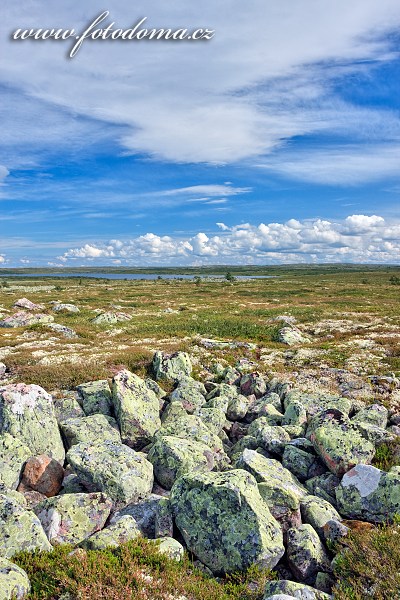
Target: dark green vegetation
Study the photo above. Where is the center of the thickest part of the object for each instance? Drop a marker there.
(370, 566)
(134, 571)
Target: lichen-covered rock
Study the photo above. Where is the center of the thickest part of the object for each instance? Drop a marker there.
(247, 442)
(137, 409)
(300, 591)
(71, 518)
(154, 387)
(295, 414)
(171, 367)
(67, 407)
(24, 319)
(231, 376)
(238, 407)
(172, 457)
(225, 522)
(324, 486)
(67, 332)
(115, 469)
(253, 383)
(369, 494)
(273, 439)
(144, 512)
(376, 435)
(95, 397)
(190, 393)
(338, 442)
(164, 521)
(301, 463)
(375, 414)
(262, 407)
(283, 487)
(172, 412)
(305, 553)
(27, 413)
(213, 418)
(66, 308)
(14, 582)
(13, 454)
(123, 530)
(316, 403)
(20, 529)
(42, 474)
(93, 429)
(191, 427)
(317, 512)
(291, 336)
(110, 318)
(170, 547)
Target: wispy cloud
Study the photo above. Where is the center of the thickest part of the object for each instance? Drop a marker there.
(267, 77)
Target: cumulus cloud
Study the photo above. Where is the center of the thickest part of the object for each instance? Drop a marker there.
(358, 238)
(2, 258)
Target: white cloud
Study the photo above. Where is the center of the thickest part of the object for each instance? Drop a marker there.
(358, 238)
(266, 77)
(2, 258)
(345, 165)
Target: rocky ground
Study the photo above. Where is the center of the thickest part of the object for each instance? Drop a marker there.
(239, 469)
(250, 423)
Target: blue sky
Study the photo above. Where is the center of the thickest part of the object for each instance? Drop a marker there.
(278, 141)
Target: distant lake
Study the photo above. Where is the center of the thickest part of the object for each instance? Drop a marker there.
(131, 276)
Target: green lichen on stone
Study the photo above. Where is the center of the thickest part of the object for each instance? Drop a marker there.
(170, 547)
(315, 403)
(137, 409)
(213, 418)
(305, 553)
(67, 407)
(171, 367)
(14, 582)
(295, 414)
(95, 397)
(93, 429)
(71, 518)
(273, 439)
(296, 590)
(190, 393)
(375, 414)
(369, 494)
(338, 442)
(317, 512)
(13, 455)
(172, 457)
(123, 530)
(237, 408)
(115, 469)
(27, 413)
(301, 463)
(277, 484)
(164, 521)
(191, 427)
(20, 529)
(225, 522)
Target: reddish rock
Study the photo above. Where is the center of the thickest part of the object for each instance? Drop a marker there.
(42, 474)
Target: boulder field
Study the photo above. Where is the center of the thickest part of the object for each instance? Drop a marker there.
(238, 470)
